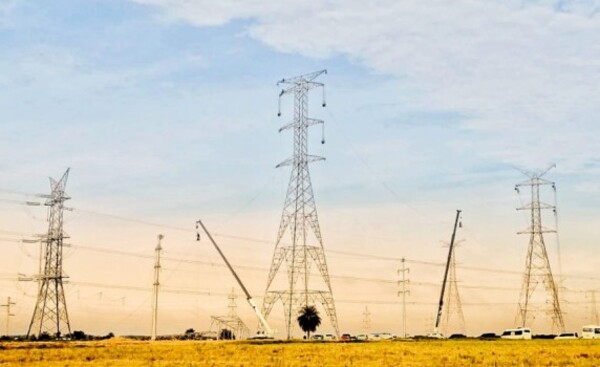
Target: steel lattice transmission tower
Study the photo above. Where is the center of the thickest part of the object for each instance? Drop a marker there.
(50, 313)
(299, 218)
(537, 265)
(454, 319)
(594, 310)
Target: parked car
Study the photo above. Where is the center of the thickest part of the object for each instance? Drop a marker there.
(387, 336)
(567, 336)
(488, 336)
(260, 335)
(362, 337)
(436, 335)
(374, 336)
(346, 337)
(329, 337)
(208, 335)
(457, 336)
(591, 332)
(317, 337)
(518, 333)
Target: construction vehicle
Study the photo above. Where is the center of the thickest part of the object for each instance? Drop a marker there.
(436, 334)
(267, 332)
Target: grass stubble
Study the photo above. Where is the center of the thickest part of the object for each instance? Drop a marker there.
(124, 352)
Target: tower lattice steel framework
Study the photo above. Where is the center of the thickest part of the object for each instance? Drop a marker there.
(50, 313)
(299, 219)
(537, 265)
(454, 320)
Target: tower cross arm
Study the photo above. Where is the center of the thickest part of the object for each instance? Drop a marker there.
(288, 126)
(535, 182)
(303, 78)
(538, 205)
(314, 158)
(309, 159)
(531, 231)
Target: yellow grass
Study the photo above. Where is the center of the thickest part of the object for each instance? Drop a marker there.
(122, 352)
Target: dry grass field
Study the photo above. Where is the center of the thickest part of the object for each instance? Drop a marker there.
(123, 352)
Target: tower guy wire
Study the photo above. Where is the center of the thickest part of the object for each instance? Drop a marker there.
(299, 218)
(50, 313)
(156, 285)
(8, 314)
(403, 282)
(537, 263)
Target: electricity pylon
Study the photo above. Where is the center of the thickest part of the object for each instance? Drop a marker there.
(299, 219)
(156, 285)
(403, 292)
(537, 264)
(366, 320)
(8, 314)
(594, 310)
(50, 313)
(231, 321)
(455, 317)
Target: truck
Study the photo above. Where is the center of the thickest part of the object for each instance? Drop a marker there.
(590, 332)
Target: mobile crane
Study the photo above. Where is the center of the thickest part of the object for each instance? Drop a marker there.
(267, 332)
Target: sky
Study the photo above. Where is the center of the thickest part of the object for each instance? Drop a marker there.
(166, 112)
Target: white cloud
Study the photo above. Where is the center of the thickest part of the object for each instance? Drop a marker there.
(526, 71)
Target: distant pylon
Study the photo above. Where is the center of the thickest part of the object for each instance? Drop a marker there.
(8, 314)
(231, 321)
(366, 319)
(537, 264)
(403, 292)
(50, 313)
(156, 285)
(594, 311)
(299, 219)
(454, 320)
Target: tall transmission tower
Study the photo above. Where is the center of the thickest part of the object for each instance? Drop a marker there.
(403, 292)
(156, 284)
(50, 313)
(537, 265)
(8, 314)
(454, 319)
(299, 218)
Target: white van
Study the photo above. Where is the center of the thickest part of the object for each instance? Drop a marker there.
(518, 333)
(591, 332)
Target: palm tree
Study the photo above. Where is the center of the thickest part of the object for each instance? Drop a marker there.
(309, 319)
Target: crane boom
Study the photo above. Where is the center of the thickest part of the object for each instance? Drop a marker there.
(261, 318)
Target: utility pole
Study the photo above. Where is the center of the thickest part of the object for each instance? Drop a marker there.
(8, 314)
(299, 219)
(366, 319)
(157, 251)
(50, 313)
(537, 264)
(403, 292)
